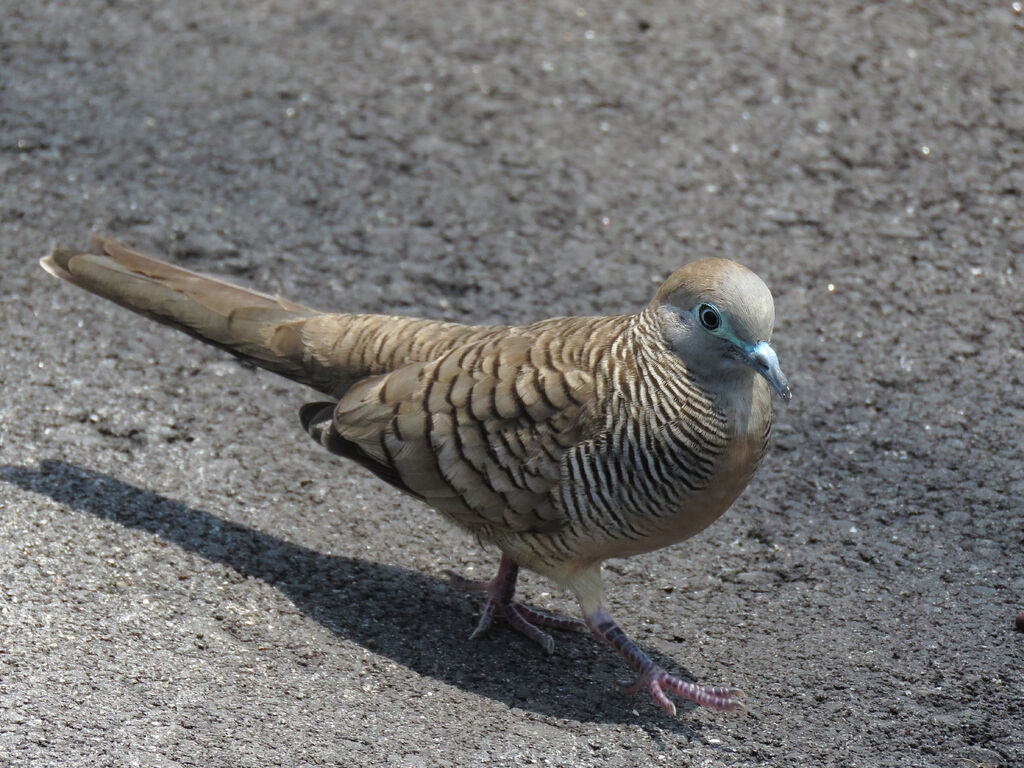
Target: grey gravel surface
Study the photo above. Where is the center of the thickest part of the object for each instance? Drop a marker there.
(187, 580)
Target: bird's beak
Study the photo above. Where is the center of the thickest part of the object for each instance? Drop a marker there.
(762, 358)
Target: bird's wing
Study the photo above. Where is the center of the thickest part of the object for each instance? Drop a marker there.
(479, 433)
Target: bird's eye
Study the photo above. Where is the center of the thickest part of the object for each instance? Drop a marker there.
(709, 317)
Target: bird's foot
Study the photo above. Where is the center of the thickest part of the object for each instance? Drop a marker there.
(654, 678)
(522, 618)
(657, 681)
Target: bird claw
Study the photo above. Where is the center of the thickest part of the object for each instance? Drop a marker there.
(486, 617)
(457, 581)
(549, 620)
(528, 621)
(516, 615)
(657, 681)
(522, 618)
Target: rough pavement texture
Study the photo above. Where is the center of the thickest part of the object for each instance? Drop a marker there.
(187, 580)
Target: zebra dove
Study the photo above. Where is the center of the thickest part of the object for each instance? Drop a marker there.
(562, 443)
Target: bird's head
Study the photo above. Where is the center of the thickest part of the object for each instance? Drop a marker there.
(716, 315)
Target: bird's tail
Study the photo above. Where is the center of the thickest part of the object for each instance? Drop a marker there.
(325, 351)
(265, 330)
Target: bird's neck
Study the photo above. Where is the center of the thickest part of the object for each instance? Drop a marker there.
(725, 385)
(747, 400)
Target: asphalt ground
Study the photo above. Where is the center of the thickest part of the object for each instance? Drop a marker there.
(187, 580)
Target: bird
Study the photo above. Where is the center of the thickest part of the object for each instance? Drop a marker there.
(561, 443)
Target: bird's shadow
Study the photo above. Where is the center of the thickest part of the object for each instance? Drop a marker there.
(412, 618)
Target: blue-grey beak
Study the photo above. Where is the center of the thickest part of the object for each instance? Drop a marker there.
(762, 358)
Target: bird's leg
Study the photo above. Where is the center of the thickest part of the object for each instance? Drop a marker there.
(500, 591)
(653, 677)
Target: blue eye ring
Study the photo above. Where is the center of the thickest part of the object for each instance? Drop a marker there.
(709, 317)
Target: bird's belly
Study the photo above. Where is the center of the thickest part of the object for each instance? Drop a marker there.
(677, 515)
(638, 514)
(696, 510)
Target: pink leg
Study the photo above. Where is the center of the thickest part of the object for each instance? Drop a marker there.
(500, 591)
(656, 679)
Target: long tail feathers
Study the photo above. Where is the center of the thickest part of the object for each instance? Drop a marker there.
(264, 330)
(328, 352)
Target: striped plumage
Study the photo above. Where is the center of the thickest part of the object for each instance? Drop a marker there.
(563, 443)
